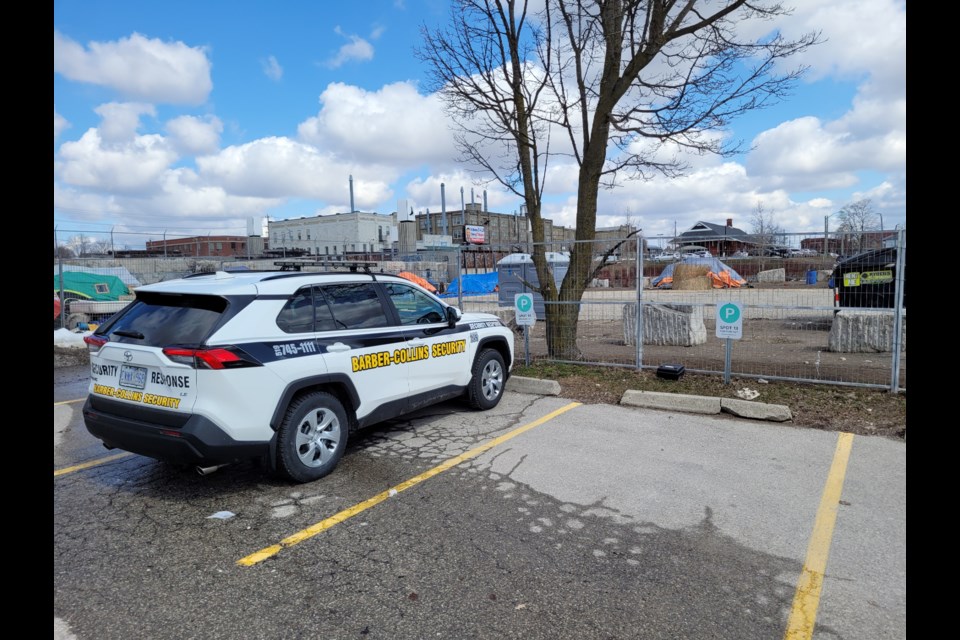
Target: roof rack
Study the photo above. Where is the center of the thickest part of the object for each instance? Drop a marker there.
(297, 264)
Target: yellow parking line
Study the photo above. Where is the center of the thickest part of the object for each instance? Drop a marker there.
(346, 514)
(87, 465)
(803, 614)
(69, 401)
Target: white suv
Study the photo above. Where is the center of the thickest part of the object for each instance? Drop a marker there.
(222, 367)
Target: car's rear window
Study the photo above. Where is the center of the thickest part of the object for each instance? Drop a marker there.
(167, 319)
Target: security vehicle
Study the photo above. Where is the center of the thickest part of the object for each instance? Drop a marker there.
(282, 366)
(868, 279)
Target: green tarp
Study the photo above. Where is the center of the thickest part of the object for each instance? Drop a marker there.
(90, 286)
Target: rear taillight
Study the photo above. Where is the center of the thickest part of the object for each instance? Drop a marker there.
(94, 343)
(216, 358)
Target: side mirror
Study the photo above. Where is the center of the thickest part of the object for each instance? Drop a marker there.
(453, 314)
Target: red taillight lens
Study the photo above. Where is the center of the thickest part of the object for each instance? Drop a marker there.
(94, 343)
(217, 358)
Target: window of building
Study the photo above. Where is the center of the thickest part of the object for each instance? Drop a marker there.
(308, 234)
(299, 235)
(219, 246)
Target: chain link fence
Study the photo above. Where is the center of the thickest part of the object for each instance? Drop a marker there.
(807, 313)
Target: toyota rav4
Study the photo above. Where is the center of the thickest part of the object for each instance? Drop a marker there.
(217, 368)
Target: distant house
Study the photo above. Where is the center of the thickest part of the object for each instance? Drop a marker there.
(720, 240)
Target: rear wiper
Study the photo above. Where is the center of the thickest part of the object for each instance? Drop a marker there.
(128, 334)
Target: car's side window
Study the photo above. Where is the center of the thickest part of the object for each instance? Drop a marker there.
(297, 315)
(413, 306)
(355, 306)
(324, 316)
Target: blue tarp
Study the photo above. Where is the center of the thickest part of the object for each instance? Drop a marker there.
(474, 284)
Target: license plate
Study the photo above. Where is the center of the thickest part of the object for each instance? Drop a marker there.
(133, 377)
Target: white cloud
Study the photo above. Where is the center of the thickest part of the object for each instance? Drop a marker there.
(120, 121)
(134, 166)
(272, 68)
(137, 67)
(424, 192)
(59, 124)
(860, 37)
(279, 167)
(356, 50)
(805, 154)
(195, 136)
(180, 202)
(395, 125)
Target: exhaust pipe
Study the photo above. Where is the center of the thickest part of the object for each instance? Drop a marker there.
(205, 471)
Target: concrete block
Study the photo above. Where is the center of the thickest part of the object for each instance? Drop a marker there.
(670, 401)
(534, 386)
(666, 324)
(772, 275)
(865, 331)
(756, 410)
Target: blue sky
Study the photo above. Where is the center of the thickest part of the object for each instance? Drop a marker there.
(189, 117)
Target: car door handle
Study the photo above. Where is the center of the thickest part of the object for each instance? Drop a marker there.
(338, 347)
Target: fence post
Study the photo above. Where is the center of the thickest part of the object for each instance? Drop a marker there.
(460, 267)
(639, 302)
(898, 310)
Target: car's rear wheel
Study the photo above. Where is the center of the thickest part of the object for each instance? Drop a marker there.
(486, 385)
(312, 437)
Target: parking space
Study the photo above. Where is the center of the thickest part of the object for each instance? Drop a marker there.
(537, 519)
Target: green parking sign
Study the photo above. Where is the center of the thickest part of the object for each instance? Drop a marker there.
(523, 306)
(729, 320)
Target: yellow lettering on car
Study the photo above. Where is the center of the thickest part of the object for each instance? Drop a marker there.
(449, 348)
(161, 401)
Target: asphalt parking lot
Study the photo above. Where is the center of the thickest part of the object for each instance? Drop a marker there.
(539, 519)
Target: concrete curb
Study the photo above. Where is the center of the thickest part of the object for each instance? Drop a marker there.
(534, 386)
(756, 410)
(669, 401)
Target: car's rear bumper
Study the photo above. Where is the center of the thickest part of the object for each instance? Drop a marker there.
(179, 438)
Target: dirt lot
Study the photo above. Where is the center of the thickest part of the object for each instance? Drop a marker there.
(781, 358)
(817, 406)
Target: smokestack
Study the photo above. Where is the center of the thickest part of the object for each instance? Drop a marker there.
(352, 208)
(443, 207)
(484, 200)
(729, 222)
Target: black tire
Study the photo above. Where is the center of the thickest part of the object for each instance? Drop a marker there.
(312, 437)
(489, 376)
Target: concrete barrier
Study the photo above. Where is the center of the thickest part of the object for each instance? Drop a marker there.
(865, 331)
(665, 324)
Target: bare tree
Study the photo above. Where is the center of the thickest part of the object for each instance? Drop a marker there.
(765, 232)
(857, 219)
(630, 84)
(101, 247)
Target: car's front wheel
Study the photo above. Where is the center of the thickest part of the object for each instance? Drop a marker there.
(312, 438)
(489, 376)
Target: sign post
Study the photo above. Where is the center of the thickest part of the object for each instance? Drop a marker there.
(730, 327)
(525, 317)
